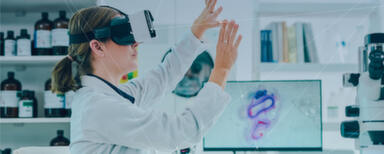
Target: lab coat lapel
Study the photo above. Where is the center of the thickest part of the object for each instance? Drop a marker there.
(97, 85)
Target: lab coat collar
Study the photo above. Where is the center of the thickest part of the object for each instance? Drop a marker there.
(115, 88)
(100, 86)
(96, 84)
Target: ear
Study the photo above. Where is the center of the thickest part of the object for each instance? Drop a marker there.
(135, 45)
(97, 48)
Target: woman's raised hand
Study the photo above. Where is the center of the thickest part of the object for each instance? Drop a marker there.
(207, 19)
(226, 49)
(226, 52)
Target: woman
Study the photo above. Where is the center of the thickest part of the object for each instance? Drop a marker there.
(112, 118)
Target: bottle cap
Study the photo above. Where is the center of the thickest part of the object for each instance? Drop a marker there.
(32, 93)
(44, 15)
(48, 84)
(1, 35)
(374, 38)
(7, 151)
(24, 33)
(60, 132)
(62, 14)
(11, 75)
(28, 93)
(10, 34)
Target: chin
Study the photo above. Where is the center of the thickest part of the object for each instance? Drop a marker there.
(133, 67)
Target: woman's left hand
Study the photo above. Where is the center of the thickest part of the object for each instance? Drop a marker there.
(207, 19)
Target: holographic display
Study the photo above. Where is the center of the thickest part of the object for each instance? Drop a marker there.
(269, 115)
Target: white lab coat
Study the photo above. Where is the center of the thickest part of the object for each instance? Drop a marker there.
(104, 122)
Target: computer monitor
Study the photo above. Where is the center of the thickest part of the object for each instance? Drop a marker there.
(269, 116)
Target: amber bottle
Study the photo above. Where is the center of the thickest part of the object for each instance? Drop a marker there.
(9, 103)
(27, 104)
(42, 35)
(60, 140)
(10, 44)
(54, 105)
(60, 38)
(1, 43)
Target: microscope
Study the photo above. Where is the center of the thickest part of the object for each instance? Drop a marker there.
(368, 128)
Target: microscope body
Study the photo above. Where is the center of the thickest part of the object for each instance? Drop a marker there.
(368, 128)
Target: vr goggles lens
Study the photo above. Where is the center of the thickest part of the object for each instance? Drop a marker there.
(125, 30)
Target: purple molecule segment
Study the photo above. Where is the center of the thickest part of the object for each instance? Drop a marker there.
(259, 128)
(261, 104)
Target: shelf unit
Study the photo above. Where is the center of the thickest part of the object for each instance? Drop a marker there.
(32, 71)
(33, 120)
(44, 5)
(310, 67)
(30, 60)
(314, 7)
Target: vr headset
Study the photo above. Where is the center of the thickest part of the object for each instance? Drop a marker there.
(125, 30)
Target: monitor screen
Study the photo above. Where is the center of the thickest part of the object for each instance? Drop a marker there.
(269, 116)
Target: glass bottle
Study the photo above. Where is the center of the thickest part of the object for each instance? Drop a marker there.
(9, 101)
(1, 43)
(10, 44)
(60, 38)
(54, 105)
(27, 104)
(42, 35)
(24, 43)
(59, 140)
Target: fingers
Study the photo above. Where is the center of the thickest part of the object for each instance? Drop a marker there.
(222, 31)
(233, 34)
(239, 38)
(217, 12)
(228, 31)
(211, 6)
(214, 24)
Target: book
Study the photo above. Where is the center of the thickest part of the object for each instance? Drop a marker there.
(310, 45)
(285, 42)
(299, 42)
(307, 59)
(280, 41)
(293, 44)
(274, 37)
(266, 46)
(292, 50)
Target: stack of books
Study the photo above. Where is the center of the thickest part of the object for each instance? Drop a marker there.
(288, 44)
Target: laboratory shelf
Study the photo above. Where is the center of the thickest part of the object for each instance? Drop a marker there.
(314, 7)
(44, 5)
(29, 60)
(319, 2)
(315, 68)
(33, 120)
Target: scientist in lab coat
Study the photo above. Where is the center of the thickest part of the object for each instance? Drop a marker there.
(117, 119)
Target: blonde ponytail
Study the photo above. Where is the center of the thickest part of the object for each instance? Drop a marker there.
(62, 79)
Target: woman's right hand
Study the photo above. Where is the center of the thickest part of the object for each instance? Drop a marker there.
(226, 49)
(226, 52)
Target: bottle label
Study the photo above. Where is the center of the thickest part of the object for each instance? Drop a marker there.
(8, 98)
(25, 108)
(43, 39)
(9, 48)
(23, 47)
(60, 37)
(53, 101)
(68, 99)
